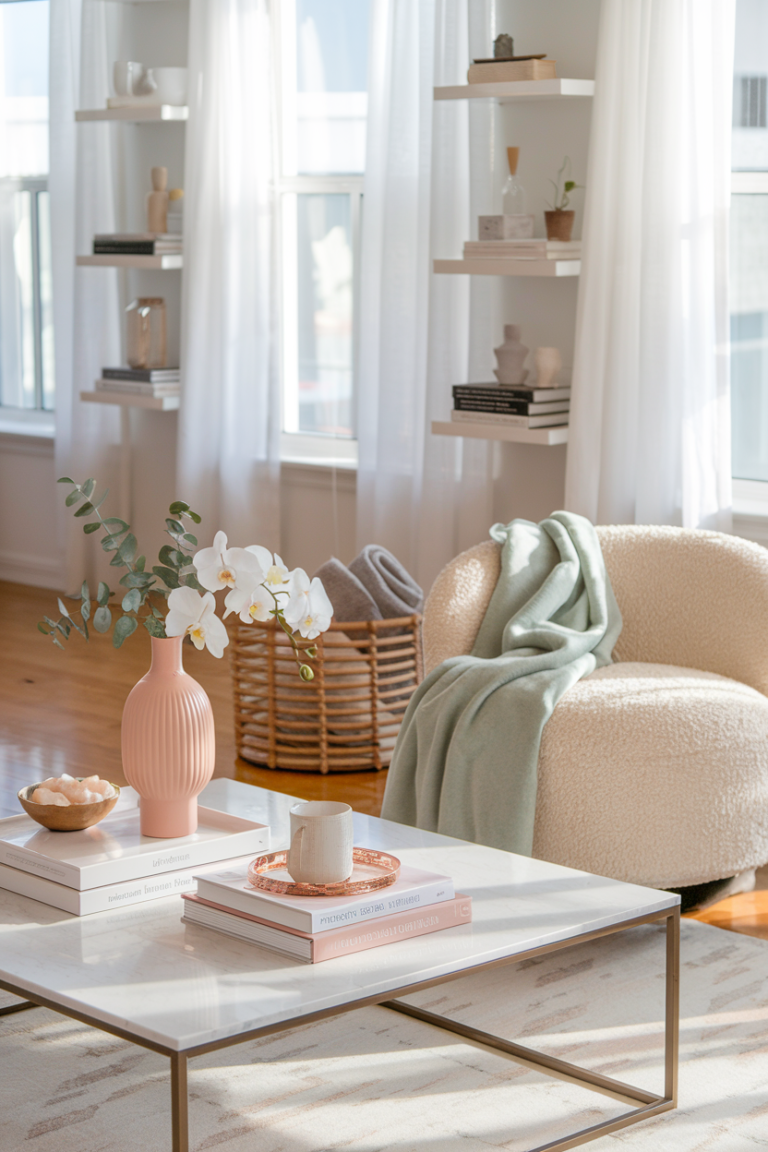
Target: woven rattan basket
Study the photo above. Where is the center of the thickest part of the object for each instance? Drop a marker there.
(344, 720)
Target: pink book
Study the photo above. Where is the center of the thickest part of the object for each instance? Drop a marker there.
(312, 947)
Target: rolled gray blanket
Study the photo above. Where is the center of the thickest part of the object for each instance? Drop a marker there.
(390, 585)
(350, 599)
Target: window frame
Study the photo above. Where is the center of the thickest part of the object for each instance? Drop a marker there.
(299, 447)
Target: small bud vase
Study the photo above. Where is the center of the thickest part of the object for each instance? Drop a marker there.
(168, 742)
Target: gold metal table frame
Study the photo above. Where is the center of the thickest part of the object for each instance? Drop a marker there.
(646, 1103)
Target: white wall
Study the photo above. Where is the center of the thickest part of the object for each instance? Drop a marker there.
(319, 512)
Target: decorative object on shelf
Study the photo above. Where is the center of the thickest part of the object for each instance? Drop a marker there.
(514, 200)
(71, 816)
(377, 870)
(510, 357)
(558, 219)
(146, 344)
(168, 732)
(503, 47)
(136, 244)
(132, 79)
(135, 84)
(548, 362)
(322, 837)
(495, 228)
(176, 211)
(157, 202)
(140, 381)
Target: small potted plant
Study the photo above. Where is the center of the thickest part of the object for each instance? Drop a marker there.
(559, 220)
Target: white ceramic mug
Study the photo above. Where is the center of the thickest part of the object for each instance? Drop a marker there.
(321, 842)
(170, 84)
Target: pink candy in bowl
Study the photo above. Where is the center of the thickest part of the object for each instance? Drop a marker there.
(69, 804)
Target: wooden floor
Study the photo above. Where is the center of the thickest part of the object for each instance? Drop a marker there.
(60, 712)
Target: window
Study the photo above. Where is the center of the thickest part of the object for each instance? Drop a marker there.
(26, 320)
(323, 105)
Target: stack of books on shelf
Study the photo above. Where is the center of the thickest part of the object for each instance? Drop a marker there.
(140, 381)
(111, 865)
(522, 250)
(518, 405)
(318, 928)
(498, 71)
(137, 244)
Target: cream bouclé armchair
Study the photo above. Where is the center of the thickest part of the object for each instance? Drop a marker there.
(653, 770)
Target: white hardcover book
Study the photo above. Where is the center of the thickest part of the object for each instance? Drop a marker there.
(413, 888)
(465, 416)
(109, 895)
(114, 849)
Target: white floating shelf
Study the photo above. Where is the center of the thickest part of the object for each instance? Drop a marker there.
(166, 262)
(133, 400)
(139, 113)
(509, 267)
(511, 90)
(474, 430)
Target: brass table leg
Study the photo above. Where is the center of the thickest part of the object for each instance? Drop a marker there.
(179, 1102)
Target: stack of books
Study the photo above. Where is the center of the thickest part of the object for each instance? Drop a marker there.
(522, 250)
(141, 381)
(519, 405)
(137, 244)
(316, 928)
(496, 71)
(112, 865)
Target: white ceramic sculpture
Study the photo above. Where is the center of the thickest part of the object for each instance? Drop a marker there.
(548, 363)
(510, 357)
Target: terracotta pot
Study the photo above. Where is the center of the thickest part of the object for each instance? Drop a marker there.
(559, 225)
(169, 746)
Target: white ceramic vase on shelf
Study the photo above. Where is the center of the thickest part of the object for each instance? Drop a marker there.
(510, 357)
(548, 363)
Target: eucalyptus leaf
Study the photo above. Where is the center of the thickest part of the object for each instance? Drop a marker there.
(156, 612)
(88, 488)
(85, 609)
(62, 606)
(194, 516)
(168, 576)
(64, 626)
(137, 580)
(102, 619)
(58, 643)
(42, 628)
(65, 480)
(86, 509)
(190, 539)
(85, 592)
(123, 629)
(116, 524)
(127, 549)
(172, 557)
(111, 543)
(174, 527)
(177, 507)
(155, 627)
(98, 503)
(89, 528)
(49, 622)
(191, 581)
(73, 498)
(103, 593)
(140, 564)
(131, 601)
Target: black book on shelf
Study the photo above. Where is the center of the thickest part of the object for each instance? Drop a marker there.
(513, 407)
(511, 392)
(145, 375)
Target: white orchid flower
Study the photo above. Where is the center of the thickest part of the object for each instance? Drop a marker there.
(275, 574)
(193, 615)
(309, 610)
(223, 567)
(259, 606)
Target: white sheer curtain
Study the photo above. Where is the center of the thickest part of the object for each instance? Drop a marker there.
(86, 301)
(429, 173)
(650, 418)
(229, 461)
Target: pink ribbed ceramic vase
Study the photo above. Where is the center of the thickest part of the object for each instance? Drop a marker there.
(169, 746)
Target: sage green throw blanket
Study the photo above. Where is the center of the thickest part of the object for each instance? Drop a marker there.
(465, 762)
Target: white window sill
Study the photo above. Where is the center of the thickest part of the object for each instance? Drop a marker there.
(22, 422)
(318, 451)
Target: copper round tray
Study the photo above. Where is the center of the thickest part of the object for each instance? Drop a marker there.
(385, 868)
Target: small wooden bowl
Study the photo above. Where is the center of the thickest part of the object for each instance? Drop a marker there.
(73, 817)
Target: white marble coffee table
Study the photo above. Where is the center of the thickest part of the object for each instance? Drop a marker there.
(141, 974)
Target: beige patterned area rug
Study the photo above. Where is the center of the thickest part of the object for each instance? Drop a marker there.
(375, 1081)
